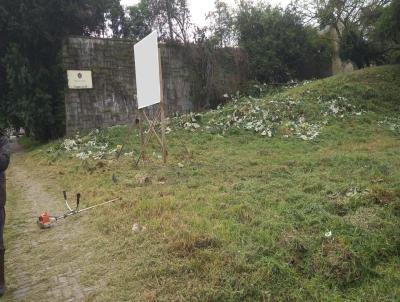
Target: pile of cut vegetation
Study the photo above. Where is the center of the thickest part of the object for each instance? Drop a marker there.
(301, 112)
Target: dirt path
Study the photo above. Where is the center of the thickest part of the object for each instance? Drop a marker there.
(41, 264)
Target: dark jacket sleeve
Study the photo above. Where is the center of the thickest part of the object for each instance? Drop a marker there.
(4, 153)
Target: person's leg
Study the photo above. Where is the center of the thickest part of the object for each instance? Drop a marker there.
(2, 249)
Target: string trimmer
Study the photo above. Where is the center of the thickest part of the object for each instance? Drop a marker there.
(45, 220)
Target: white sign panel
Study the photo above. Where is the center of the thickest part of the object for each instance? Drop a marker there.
(147, 67)
(79, 79)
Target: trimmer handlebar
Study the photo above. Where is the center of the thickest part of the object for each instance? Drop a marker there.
(78, 200)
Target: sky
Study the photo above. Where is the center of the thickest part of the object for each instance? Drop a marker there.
(199, 8)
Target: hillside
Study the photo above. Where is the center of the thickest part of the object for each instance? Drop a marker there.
(290, 196)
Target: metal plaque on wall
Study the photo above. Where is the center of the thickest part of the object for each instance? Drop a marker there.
(79, 79)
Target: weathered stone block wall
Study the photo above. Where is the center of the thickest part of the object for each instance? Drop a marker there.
(191, 83)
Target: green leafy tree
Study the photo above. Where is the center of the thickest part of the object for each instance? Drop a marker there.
(354, 47)
(182, 21)
(388, 23)
(354, 22)
(31, 73)
(277, 42)
(140, 22)
(387, 32)
(117, 20)
(171, 18)
(222, 24)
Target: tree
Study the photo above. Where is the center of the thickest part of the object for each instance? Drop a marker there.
(277, 43)
(222, 24)
(182, 20)
(117, 20)
(387, 33)
(335, 12)
(388, 23)
(140, 21)
(171, 18)
(354, 47)
(353, 21)
(31, 74)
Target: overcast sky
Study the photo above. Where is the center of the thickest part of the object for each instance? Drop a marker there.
(199, 8)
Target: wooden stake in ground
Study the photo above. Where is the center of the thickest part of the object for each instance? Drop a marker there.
(145, 138)
(162, 108)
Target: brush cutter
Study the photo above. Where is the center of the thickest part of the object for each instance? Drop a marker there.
(45, 220)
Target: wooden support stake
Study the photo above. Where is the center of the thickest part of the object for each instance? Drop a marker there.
(142, 138)
(163, 139)
(152, 128)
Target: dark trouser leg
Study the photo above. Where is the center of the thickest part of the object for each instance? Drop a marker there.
(2, 249)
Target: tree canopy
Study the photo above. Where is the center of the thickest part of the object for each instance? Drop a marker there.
(278, 44)
(31, 76)
(365, 28)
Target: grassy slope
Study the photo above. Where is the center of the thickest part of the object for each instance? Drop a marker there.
(245, 218)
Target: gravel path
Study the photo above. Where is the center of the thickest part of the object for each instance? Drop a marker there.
(41, 264)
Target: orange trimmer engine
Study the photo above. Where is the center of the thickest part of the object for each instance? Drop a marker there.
(44, 221)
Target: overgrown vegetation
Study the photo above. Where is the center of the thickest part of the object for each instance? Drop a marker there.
(32, 79)
(281, 45)
(365, 29)
(239, 216)
(276, 55)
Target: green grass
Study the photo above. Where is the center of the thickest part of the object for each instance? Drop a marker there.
(245, 218)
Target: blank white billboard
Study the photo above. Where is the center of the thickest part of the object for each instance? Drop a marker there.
(147, 68)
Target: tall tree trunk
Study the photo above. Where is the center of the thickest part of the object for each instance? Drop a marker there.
(168, 7)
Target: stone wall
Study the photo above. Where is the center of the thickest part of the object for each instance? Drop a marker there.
(193, 80)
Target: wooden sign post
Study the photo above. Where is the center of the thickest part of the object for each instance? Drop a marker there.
(150, 90)
(162, 112)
